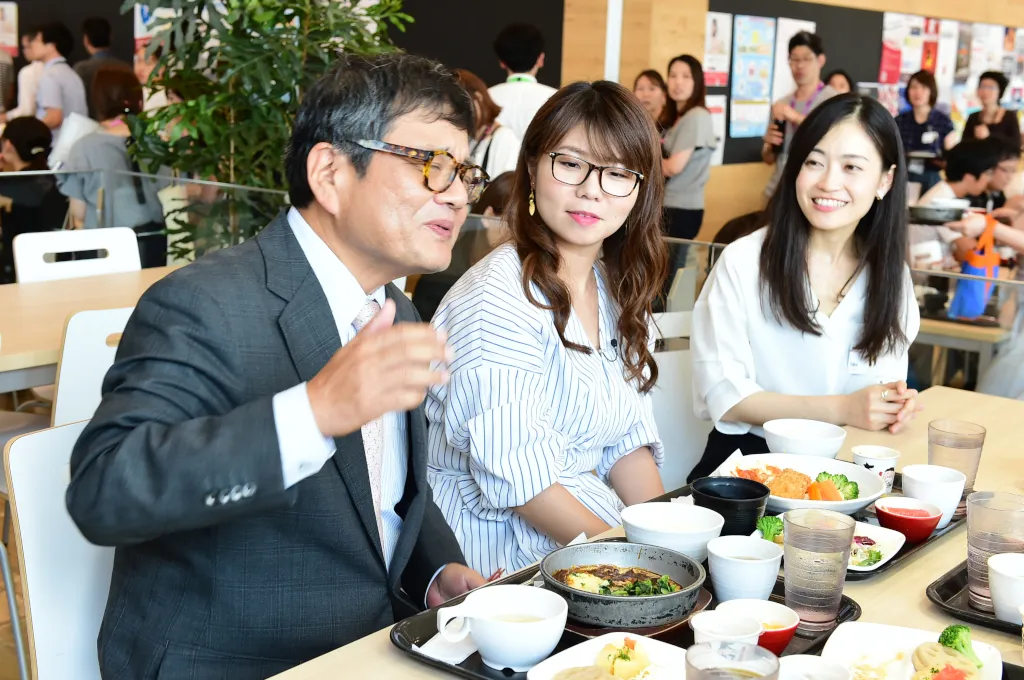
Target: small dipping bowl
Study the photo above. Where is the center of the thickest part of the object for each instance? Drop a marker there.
(740, 501)
(778, 622)
(916, 529)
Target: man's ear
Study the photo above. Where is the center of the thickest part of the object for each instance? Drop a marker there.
(540, 62)
(329, 174)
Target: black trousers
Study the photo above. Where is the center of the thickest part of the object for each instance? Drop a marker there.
(684, 224)
(721, 446)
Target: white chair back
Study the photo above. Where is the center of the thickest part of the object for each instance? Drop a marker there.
(682, 433)
(64, 578)
(118, 245)
(90, 343)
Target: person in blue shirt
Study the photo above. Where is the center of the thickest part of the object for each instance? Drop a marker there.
(924, 129)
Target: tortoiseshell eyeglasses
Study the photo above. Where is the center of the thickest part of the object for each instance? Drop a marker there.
(439, 167)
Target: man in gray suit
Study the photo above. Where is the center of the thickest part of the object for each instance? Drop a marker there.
(259, 458)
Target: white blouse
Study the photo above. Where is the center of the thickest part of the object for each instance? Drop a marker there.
(739, 348)
(522, 412)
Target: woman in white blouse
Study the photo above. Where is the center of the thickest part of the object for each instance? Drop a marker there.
(812, 316)
(545, 429)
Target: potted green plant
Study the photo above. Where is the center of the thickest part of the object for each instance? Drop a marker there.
(237, 71)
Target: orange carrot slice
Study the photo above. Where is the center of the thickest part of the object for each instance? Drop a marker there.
(814, 491)
(829, 492)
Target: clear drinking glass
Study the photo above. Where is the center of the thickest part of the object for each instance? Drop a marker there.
(729, 661)
(957, 444)
(817, 544)
(995, 524)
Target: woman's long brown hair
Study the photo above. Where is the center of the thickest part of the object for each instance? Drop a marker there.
(635, 257)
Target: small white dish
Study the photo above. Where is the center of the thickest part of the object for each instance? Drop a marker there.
(888, 542)
(807, 667)
(725, 626)
(743, 567)
(935, 484)
(856, 643)
(804, 437)
(675, 526)
(1006, 581)
(511, 626)
(668, 659)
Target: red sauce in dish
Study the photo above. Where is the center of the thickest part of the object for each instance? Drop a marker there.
(908, 512)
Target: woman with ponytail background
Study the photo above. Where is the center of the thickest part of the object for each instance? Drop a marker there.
(27, 202)
(545, 429)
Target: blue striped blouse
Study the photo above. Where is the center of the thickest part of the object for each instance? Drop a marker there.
(522, 412)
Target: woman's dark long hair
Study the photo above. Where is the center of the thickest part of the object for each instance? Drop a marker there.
(881, 235)
(699, 88)
(635, 257)
(668, 113)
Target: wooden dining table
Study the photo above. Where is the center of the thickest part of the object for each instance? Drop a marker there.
(33, 317)
(895, 597)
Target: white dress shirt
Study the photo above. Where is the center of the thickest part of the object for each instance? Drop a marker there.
(520, 97)
(523, 412)
(28, 84)
(740, 349)
(501, 149)
(304, 450)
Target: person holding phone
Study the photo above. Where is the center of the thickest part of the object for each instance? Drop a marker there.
(806, 59)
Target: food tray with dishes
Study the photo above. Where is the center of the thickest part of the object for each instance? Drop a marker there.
(950, 593)
(675, 584)
(876, 548)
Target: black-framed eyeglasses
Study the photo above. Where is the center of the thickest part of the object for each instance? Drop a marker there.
(574, 171)
(439, 167)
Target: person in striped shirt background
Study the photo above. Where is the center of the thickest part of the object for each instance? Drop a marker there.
(546, 428)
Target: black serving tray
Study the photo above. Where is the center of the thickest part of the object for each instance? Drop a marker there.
(418, 629)
(1011, 672)
(949, 592)
(867, 515)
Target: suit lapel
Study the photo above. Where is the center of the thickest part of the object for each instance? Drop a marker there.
(312, 338)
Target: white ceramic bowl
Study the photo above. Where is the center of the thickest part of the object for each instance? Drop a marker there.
(719, 626)
(676, 526)
(935, 484)
(807, 667)
(1006, 581)
(804, 437)
(743, 567)
(871, 485)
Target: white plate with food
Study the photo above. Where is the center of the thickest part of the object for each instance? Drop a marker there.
(617, 655)
(872, 651)
(800, 482)
(872, 546)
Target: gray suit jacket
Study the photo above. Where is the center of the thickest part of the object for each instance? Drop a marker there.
(221, 572)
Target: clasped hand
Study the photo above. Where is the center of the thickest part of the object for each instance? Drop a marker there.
(888, 406)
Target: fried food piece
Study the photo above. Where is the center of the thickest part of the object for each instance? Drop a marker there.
(789, 484)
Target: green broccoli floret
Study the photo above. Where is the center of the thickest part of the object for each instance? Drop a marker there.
(958, 637)
(849, 490)
(770, 527)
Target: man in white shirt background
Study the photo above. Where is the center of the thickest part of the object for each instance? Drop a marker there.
(28, 80)
(520, 50)
(61, 91)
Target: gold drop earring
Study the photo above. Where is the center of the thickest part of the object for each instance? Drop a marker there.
(533, 206)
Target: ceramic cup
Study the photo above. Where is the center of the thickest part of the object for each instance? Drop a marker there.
(941, 486)
(513, 627)
(1006, 581)
(879, 459)
(722, 626)
(743, 567)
